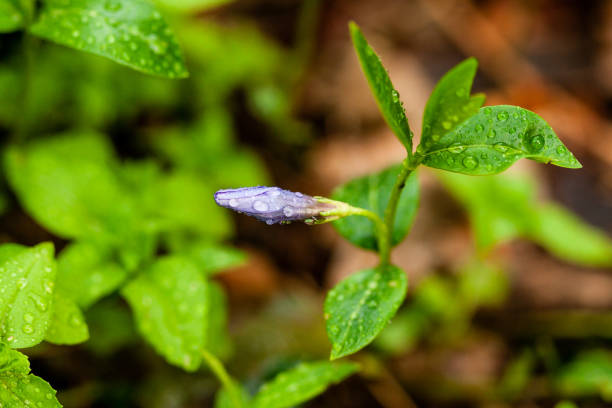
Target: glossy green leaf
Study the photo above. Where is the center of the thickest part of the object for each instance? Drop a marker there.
(217, 337)
(66, 183)
(86, 272)
(360, 306)
(18, 387)
(299, 384)
(132, 33)
(27, 278)
(385, 94)
(11, 16)
(169, 302)
(67, 324)
(493, 139)
(372, 192)
(450, 102)
(569, 238)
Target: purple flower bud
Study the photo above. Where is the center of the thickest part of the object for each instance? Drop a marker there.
(272, 204)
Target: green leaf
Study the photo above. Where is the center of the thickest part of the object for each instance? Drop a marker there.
(385, 94)
(132, 33)
(191, 6)
(372, 193)
(28, 277)
(493, 139)
(589, 374)
(569, 238)
(184, 201)
(169, 302)
(360, 306)
(217, 337)
(66, 183)
(450, 102)
(67, 322)
(86, 272)
(213, 258)
(223, 398)
(18, 387)
(11, 17)
(299, 384)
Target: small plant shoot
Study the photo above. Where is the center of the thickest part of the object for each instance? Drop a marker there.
(375, 212)
(126, 254)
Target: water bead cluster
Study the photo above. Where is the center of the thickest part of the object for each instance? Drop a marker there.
(273, 205)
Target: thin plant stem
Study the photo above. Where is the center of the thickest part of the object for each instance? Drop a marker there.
(224, 378)
(382, 233)
(389, 216)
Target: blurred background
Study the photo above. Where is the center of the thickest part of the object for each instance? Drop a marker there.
(500, 313)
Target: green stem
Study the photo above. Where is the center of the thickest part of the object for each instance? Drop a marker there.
(29, 44)
(382, 233)
(219, 370)
(389, 216)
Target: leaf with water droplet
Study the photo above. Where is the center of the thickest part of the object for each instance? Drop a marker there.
(25, 304)
(372, 192)
(450, 102)
(11, 16)
(385, 94)
(505, 134)
(301, 383)
(67, 322)
(169, 302)
(132, 33)
(360, 306)
(19, 387)
(86, 272)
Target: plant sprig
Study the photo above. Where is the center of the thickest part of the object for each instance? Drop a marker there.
(458, 136)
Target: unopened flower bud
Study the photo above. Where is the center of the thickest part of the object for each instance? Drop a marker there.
(274, 205)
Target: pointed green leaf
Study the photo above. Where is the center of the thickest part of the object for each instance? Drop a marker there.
(11, 17)
(169, 302)
(372, 193)
(86, 272)
(493, 139)
(27, 278)
(569, 238)
(360, 306)
(18, 387)
(299, 384)
(132, 33)
(385, 94)
(67, 322)
(450, 102)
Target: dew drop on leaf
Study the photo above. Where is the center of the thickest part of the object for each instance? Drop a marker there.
(470, 162)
